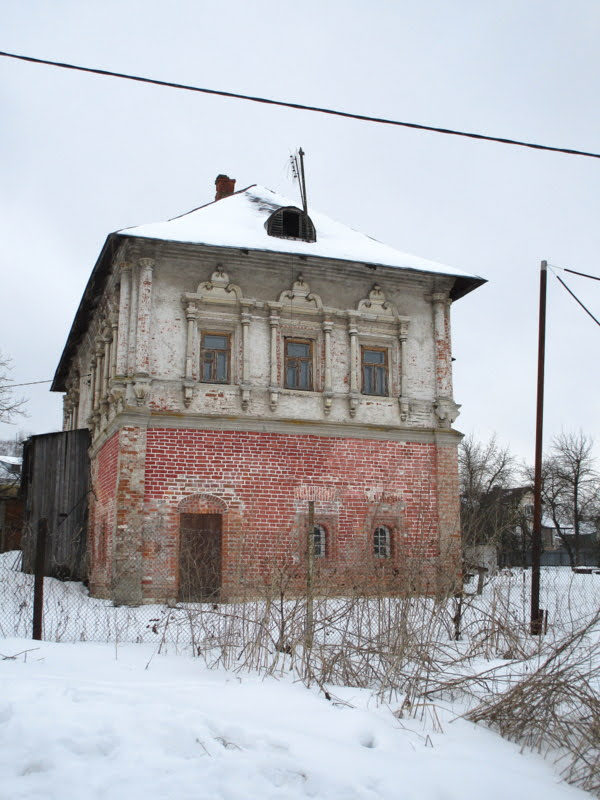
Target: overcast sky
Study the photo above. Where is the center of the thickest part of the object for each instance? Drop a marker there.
(83, 155)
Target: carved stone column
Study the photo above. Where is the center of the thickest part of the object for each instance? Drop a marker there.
(123, 321)
(274, 322)
(402, 395)
(132, 324)
(328, 383)
(142, 343)
(92, 387)
(98, 388)
(443, 373)
(114, 332)
(245, 384)
(191, 315)
(99, 373)
(106, 338)
(354, 396)
(445, 407)
(105, 375)
(66, 412)
(75, 409)
(142, 347)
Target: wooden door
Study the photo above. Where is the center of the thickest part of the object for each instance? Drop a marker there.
(199, 557)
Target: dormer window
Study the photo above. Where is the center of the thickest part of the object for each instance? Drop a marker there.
(291, 223)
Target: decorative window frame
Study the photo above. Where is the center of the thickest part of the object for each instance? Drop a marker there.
(377, 323)
(218, 306)
(226, 325)
(298, 313)
(309, 331)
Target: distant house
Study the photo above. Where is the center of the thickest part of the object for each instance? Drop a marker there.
(561, 551)
(514, 543)
(11, 505)
(240, 361)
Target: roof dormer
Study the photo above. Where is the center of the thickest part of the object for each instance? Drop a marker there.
(291, 223)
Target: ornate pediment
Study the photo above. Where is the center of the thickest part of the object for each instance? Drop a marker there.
(300, 298)
(216, 290)
(376, 304)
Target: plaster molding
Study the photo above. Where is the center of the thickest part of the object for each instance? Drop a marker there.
(446, 410)
(218, 290)
(144, 418)
(299, 298)
(147, 263)
(376, 304)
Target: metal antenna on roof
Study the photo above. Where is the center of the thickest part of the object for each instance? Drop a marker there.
(297, 162)
(294, 166)
(303, 183)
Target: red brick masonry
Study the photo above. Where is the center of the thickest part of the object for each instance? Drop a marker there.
(261, 483)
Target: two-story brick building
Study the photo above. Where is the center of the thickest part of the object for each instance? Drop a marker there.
(242, 359)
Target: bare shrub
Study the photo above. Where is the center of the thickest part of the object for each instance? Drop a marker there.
(555, 709)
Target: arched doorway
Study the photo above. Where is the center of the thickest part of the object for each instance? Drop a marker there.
(200, 545)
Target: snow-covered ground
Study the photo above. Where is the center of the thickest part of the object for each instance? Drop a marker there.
(108, 722)
(118, 705)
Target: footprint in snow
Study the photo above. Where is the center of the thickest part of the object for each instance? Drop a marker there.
(368, 740)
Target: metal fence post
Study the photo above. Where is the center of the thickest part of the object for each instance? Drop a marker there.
(38, 586)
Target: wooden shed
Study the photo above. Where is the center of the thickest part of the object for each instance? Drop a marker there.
(56, 483)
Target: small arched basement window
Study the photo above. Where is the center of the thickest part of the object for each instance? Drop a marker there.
(319, 541)
(382, 542)
(291, 223)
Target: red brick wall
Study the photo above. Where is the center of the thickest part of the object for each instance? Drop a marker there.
(104, 468)
(448, 504)
(262, 482)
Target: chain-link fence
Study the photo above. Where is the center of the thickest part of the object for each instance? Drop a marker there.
(278, 617)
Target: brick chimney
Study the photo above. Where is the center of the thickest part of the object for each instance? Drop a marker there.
(225, 186)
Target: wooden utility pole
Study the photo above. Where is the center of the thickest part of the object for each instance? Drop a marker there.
(310, 563)
(38, 585)
(537, 614)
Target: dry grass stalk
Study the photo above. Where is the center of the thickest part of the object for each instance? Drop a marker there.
(555, 709)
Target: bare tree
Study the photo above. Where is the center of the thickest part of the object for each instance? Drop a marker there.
(10, 406)
(571, 488)
(486, 473)
(14, 445)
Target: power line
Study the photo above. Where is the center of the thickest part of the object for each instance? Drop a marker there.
(574, 296)
(574, 272)
(302, 106)
(16, 385)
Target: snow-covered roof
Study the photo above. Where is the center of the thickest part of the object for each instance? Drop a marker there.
(239, 221)
(10, 467)
(11, 459)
